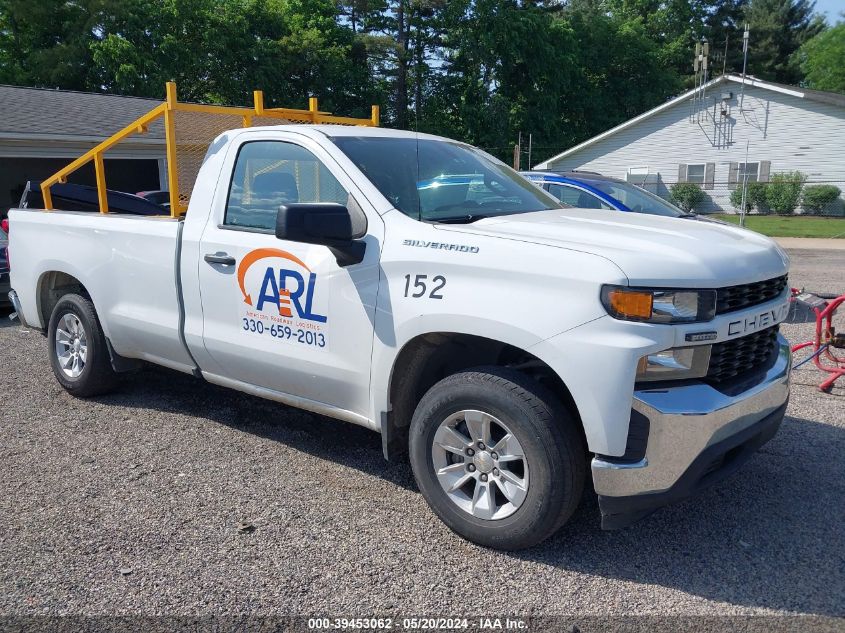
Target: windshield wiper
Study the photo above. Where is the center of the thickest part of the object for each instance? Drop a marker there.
(462, 219)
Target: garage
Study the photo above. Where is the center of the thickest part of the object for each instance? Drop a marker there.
(43, 130)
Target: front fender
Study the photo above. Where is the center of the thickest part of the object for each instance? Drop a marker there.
(385, 356)
(510, 291)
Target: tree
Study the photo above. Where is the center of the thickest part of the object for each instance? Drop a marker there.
(619, 72)
(477, 70)
(45, 44)
(672, 25)
(822, 60)
(725, 21)
(221, 50)
(506, 67)
(778, 29)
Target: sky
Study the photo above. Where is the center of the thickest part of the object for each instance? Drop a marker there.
(831, 9)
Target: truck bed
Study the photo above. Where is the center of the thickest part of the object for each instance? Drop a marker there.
(129, 263)
(71, 197)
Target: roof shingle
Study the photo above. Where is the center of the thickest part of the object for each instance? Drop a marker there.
(38, 111)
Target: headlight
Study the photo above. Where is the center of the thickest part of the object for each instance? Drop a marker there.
(678, 363)
(659, 306)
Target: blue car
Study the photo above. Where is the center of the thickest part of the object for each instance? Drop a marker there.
(589, 190)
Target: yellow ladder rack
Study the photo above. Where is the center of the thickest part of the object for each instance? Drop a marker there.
(188, 129)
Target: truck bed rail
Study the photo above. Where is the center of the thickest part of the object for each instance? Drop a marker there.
(189, 128)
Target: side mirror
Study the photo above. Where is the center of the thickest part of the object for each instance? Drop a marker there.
(325, 223)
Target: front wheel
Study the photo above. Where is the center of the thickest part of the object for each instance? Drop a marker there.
(497, 457)
(77, 346)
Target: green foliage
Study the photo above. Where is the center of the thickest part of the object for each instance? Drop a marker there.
(477, 70)
(791, 225)
(736, 200)
(45, 43)
(822, 60)
(725, 20)
(755, 197)
(817, 198)
(784, 191)
(778, 29)
(687, 195)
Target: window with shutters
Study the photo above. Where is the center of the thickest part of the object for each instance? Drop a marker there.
(750, 171)
(695, 173)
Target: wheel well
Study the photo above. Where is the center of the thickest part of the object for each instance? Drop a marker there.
(429, 358)
(53, 286)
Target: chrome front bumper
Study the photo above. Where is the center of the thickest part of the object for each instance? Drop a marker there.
(686, 425)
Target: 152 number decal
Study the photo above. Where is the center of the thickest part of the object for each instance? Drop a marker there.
(420, 287)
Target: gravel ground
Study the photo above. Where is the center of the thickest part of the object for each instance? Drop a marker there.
(176, 497)
(817, 271)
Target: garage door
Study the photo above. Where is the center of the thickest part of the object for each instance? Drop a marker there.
(127, 175)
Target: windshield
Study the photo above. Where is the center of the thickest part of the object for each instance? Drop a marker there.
(636, 199)
(443, 181)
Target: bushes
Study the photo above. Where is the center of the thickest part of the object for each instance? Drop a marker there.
(817, 197)
(755, 197)
(783, 193)
(687, 195)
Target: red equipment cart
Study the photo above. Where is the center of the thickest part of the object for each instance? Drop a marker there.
(826, 338)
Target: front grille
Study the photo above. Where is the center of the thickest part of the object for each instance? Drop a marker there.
(743, 355)
(747, 295)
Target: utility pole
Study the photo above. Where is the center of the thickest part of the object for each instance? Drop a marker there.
(529, 150)
(700, 65)
(696, 64)
(745, 37)
(516, 151)
(744, 187)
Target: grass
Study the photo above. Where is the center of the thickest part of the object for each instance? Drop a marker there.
(790, 226)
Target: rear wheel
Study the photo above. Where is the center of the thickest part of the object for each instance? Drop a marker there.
(497, 457)
(77, 346)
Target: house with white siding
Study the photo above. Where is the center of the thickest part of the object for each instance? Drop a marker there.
(719, 135)
(42, 130)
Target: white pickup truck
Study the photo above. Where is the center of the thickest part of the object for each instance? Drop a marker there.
(421, 288)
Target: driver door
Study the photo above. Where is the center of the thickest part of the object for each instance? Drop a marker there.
(278, 314)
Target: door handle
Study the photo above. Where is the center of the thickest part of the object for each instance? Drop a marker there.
(220, 258)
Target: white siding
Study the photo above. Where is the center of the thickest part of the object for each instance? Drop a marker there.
(793, 133)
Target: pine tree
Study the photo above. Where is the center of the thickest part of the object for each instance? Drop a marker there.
(778, 29)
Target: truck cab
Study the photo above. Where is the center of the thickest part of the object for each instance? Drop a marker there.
(514, 349)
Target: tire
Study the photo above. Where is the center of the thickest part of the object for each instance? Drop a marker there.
(553, 469)
(88, 370)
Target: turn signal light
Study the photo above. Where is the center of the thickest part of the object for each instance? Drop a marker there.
(659, 305)
(629, 304)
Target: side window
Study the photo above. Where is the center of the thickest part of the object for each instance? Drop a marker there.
(749, 170)
(576, 197)
(269, 174)
(695, 173)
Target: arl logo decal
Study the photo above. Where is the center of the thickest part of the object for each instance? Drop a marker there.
(284, 290)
